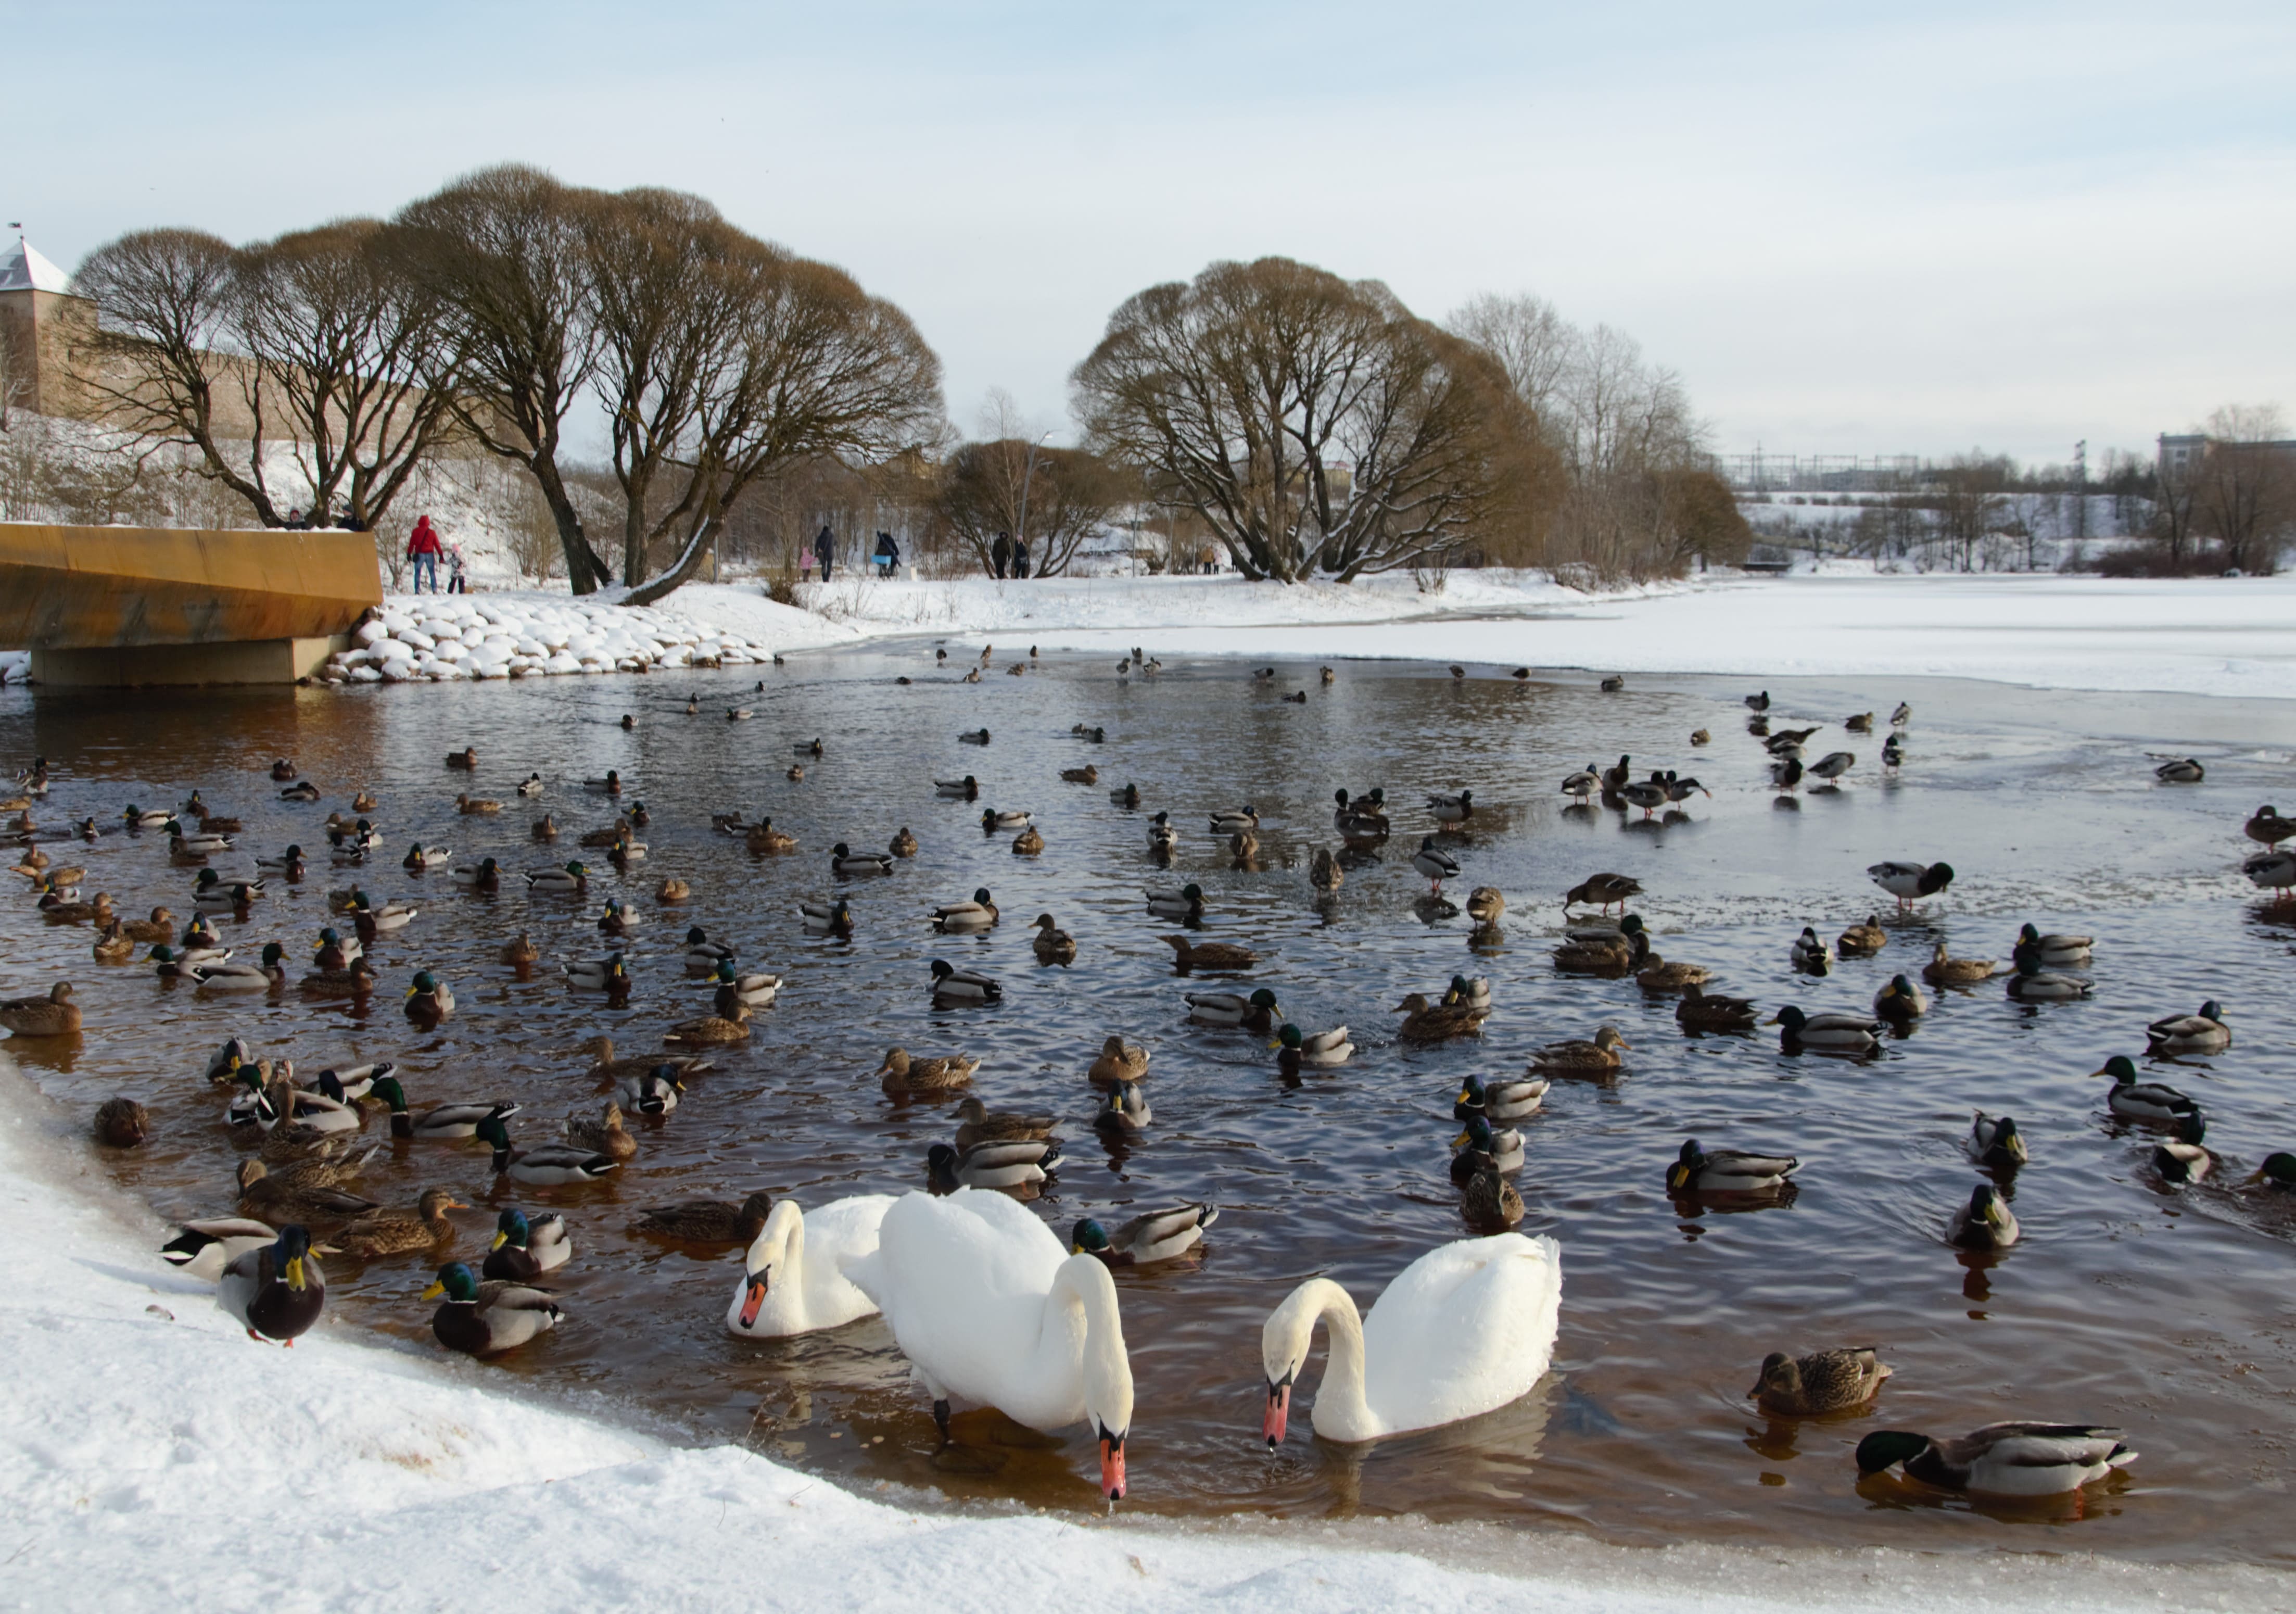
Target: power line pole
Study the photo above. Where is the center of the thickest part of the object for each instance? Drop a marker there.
(2080, 490)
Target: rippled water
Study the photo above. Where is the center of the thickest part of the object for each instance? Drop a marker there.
(2166, 1313)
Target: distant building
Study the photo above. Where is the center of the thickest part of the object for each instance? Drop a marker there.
(48, 336)
(2182, 452)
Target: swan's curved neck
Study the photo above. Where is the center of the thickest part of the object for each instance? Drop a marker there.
(1339, 1404)
(1082, 1326)
(781, 1244)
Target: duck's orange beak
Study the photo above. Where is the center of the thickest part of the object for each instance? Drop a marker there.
(1278, 1414)
(1112, 1465)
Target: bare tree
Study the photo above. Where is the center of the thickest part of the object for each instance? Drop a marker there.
(1051, 499)
(1971, 491)
(814, 367)
(354, 356)
(1535, 345)
(504, 251)
(2244, 488)
(1313, 423)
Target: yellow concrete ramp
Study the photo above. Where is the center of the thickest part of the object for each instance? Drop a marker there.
(161, 606)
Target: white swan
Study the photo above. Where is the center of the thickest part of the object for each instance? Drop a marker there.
(990, 1309)
(792, 1284)
(1467, 1327)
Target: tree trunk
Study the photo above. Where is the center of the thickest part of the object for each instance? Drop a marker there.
(704, 544)
(585, 571)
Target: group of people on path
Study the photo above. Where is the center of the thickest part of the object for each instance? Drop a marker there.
(886, 558)
(423, 547)
(1010, 552)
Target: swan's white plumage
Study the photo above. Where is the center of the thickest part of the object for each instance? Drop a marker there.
(1466, 1328)
(807, 1289)
(992, 1310)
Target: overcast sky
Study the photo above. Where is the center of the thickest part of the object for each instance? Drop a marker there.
(1941, 227)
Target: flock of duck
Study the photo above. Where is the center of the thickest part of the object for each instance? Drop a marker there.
(987, 1304)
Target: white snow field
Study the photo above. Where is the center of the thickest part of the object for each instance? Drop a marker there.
(2192, 636)
(152, 1456)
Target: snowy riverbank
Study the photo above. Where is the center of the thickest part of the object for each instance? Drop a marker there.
(155, 1455)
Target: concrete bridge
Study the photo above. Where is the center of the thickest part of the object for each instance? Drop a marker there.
(158, 605)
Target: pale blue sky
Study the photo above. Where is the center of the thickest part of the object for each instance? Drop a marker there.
(1851, 229)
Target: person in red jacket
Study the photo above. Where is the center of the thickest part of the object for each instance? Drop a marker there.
(423, 548)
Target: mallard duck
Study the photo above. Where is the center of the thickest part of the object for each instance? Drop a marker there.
(531, 785)
(1053, 945)
(612, 835)
(1008, 1164)
(1231, 821)
(828, 918)
(1908, 882)
(1901, 1001)
(485, 875)
(1322, 1048)
(178, 963)
(2136, 1101)
(973, 736)
(159, 927)
(1612, 953)
(203, 844)
(610, 974)
(466, 759)
(1325, 875)
(471, 806)
(2204, 1033)
(1833, 765)
(2182, 1158)
(277, 1292)
(2278, 1169)
(2183, 770)
(1810, 954)
(1185, 903)
(282, 1200)
(1985, 1223)
(290, 864)
(612, 784)
(1650, 794)
(221, 898)
(1893, 752)
(846, 861)
(1214, 956)
(1602, 890)
(488, 1319)
(957, 919)
(763, 837)
(397, 1232)
(952, 986)
(1157, 1235)
(1850, 1034)
(1087, 774)
(525, 1247)
(1485, 905)
(1362, 818)
(903, 844)
(981, 1125)
(1727, 1171)
(1660, 975)
(445, 1123)
(1118, 1061)
(1425, 1021)
(572, 879)
(269, 975)
(1995, 1141)
(900, 1076)
(1478, 1144)
(1258, 1013)
(374, 919)
(2273, 870)
(1027, 844)
(756, 988)
(2268, 827)
(1582, 784)
(711, 1031)
(202, 1250)
(2018, 1459)
(302, 790)
(354, 980)
(2030, 983)
(54, 1015)
(1824, 1382)
(1499, 1099)
(420, 857)
(545, 828)
(1945, 970)
(992, 821)
(1435, 863)
(62, 907)
(519, 951)
(606, 1135)
(1486, 1200)
(114, 946)
(1862, 941)
(740, 714)
(429, 997)
(278, 1102)
(1163, 835)
(967, 788)
(1702, 1010)
(2054, 951)
(1584, 1056)
(121, 1124)
(544, 1165)
(709, 1221)
(1124, 1113)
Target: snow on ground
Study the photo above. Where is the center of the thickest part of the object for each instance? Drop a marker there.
(150, 1455)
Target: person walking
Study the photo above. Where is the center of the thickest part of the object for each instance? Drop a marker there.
(1001, 553)
(423, 548)
(1019, 557)
(825, 549)
(889, 554)
(457, 581)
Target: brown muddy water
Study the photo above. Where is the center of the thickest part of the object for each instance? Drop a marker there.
(2165, 1312)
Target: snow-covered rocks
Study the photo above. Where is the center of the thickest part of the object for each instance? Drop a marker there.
(443, 638)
